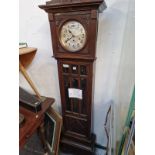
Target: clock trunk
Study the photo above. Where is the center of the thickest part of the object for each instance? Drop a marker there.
(76, 76)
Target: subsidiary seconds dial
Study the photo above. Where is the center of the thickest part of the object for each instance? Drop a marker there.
(72, 36)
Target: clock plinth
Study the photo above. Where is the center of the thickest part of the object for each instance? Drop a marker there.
(83, 146)
(74, 25)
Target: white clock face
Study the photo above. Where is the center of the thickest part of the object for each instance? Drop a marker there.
(72, 36)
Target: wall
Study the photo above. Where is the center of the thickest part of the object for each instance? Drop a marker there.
(34, 29)
(126, 73)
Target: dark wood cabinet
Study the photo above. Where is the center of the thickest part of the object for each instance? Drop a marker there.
(74, 25)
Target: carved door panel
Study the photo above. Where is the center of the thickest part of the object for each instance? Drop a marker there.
(74, 81)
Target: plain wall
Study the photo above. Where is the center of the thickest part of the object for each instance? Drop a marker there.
(114, 74)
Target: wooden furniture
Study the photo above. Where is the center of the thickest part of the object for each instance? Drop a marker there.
(74, 25)
(53, 118)
(34, 121)
(26, 56)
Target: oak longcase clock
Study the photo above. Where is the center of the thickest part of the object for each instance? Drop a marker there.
(74, 25)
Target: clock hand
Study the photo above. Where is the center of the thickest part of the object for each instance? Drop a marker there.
(71, 33)
(69, 39)
(73, 36)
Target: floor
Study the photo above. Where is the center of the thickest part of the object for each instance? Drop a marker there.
(33, 147)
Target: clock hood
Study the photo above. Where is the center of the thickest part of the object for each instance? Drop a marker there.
(58, 4)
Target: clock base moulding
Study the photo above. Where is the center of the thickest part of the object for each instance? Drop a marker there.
(77, 145)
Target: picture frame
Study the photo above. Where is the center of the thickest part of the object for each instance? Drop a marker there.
(108, 130)
(53, 125)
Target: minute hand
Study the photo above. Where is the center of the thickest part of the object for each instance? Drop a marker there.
(71, 33)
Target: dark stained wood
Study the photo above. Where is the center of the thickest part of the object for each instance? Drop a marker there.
(77, 135)
(32, 121)
(89, 20)
(71, 5)
(86, 117)
(42, 136)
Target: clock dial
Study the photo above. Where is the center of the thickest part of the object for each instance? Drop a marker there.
(73, 36)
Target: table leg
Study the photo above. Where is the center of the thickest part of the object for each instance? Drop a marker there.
(25, 74)
(42, 137)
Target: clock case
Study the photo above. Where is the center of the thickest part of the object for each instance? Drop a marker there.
(75, 71)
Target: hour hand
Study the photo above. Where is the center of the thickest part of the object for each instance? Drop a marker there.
(68, 39)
